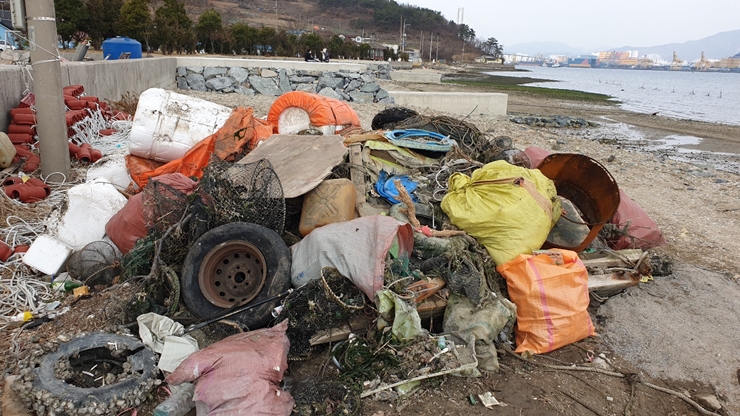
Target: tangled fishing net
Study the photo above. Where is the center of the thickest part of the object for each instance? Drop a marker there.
(325, 397)
(243, 193)
(95, 264)
(227, 193)
(322, 304)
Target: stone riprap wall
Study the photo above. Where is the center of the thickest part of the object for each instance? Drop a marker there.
(346, 86)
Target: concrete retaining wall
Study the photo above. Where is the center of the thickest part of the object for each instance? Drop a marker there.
(273, 63)
(111, 79)
(417, 76)
(105, 79)
(11, 91)
(493, 104)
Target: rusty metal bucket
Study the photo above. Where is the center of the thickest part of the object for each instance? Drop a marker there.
(588, 185)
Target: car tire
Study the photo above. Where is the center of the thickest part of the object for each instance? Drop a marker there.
(236, 263)
(130, 391)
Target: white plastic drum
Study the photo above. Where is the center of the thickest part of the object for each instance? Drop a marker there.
(168, 124)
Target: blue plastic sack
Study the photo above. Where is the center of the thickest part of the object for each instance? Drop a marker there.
(387, 188)
(420, 139)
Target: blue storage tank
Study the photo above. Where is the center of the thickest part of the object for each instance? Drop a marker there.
(118, 47)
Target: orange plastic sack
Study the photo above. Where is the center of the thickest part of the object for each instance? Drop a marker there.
(551, 301)
(241, 130)
(133, 222)
(322, 111)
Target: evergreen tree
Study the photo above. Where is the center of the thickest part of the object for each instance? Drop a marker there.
(105, 14)
(135, 21)
(244, 38)
(173, 29)
(313, 42)
(209, 29)
(72, 20)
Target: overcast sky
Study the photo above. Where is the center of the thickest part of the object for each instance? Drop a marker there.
(592, 24)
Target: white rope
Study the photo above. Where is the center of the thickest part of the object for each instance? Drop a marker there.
(88, 130)
(20, 231)
(22, 292)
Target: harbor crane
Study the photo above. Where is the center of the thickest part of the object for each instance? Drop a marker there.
(703, 63)
(676, 64)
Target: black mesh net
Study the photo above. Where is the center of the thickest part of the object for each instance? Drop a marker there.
(95, 264)
(242, 193)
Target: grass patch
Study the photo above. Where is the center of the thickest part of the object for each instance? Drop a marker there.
(489, 83)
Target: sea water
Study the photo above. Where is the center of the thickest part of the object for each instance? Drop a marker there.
(702, 96)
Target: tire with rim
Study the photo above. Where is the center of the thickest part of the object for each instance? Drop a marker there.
(236, 263)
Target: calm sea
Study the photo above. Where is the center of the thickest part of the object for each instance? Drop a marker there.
(704, 96)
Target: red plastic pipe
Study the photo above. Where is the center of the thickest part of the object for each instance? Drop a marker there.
(21, 110)
(25, 119)
(18, 129)
(20, 138)
(32, 163)
(76, 105)
(23, 248)
(13, 180)
(83, 155)
(5, 251)
(29, 193)
(39, 184)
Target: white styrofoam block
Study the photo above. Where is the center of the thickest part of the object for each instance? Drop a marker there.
(111, 169)
(89, 207)
(47, 254)
(168, 124)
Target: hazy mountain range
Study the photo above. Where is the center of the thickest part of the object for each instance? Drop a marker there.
(721, 45)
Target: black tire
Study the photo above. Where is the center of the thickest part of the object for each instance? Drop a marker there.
(202, 272)
(143, 362)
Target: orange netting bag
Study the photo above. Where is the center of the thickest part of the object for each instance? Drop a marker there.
(241, 130)
(551, 300)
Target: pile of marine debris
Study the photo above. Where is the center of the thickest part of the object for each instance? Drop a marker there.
(385, 250)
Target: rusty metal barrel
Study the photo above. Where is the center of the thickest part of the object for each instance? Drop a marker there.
(588, 185)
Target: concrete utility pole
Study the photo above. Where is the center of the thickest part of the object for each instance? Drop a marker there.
(47, 88)
(436, 54)
(431, 45)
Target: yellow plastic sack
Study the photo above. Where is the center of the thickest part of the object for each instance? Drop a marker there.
(508, 209)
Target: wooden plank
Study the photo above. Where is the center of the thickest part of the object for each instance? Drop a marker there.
(357, 323)
(301, 162)
(616, 259)
(606, 285)
(432, 307)
(357, 173)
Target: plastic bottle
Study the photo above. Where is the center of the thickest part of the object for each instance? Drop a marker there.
(179, 403)
(66, 285)
(22, 317)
